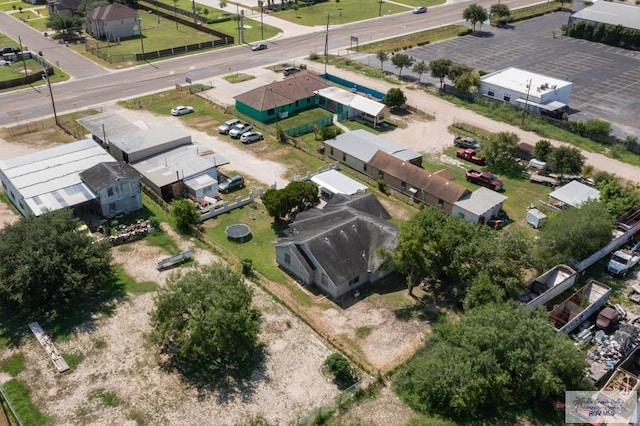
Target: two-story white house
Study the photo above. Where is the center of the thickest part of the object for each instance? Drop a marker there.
(112, 22)
(117, 186)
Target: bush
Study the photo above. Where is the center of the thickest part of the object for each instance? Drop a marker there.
(342, 372)
(247, 267)
(155, 223)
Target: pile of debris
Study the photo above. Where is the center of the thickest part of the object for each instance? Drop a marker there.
(127, 234)
(610, 349)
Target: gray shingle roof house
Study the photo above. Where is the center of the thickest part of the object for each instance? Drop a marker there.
(117, 186)
(432, 188)
(335, 248)
(111, 22)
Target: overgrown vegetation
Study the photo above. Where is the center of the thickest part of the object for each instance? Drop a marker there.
(18, 394)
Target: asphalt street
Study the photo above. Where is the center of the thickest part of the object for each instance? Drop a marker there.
(101, 87)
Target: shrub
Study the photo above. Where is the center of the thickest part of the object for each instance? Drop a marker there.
(155, 223)
(342, 372)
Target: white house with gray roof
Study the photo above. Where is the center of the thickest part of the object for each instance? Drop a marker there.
(136, 146)
(356, 148)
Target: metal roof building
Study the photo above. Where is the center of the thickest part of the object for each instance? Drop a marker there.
(610, 13)
(333, 182)
(480, 206)
(362, 145)
(107, 125)
(575, 194)
(50, 180)
(136, 146)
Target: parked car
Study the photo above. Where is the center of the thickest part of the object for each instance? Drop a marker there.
(259, 46)
(420, 9)
(465, 142)
(239, 129)
(6, 50)
(228, 125)
(250, 137)
(182, 110)
(290, 70)
(231, 184)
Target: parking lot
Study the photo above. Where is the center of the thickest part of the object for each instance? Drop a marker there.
(605, 79)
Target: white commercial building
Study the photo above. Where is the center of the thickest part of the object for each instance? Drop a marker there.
(50, 180)
(535, 92)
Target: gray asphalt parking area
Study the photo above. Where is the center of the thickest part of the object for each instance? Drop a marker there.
(606, 80)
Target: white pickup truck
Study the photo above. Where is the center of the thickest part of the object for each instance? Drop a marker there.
(623, 260)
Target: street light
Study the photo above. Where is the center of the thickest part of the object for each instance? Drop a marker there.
(326, 44)
(380, 8)
(45, 75)
(261, 5)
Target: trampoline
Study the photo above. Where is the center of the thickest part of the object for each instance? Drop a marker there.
(238, 232)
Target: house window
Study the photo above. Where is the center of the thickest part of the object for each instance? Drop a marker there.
(440, 203)
(403, 185)
(354, 281)
(270, 112)
(491, 92)
(364, 167)
(380, 175)
(507, 98)
(12, 196)
(297, 102)
(331, 150)
(287, 258)
(112, 207)
(344, 157)
(110, 192)
(308, 101)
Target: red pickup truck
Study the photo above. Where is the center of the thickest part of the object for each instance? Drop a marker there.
(469, 154)
(486, 179)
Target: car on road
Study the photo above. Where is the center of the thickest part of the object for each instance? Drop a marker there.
(250, 137)
(239, 129)
(228, 125)
(182, 110)
(420, 9)
(290, 70)
(259, 46)
(229, 184)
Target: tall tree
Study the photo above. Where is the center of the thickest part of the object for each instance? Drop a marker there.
(573, 234)
(185, 213)
(496, 357)
(47, 267)
(401, 61)
(618, 198)
(420, 68)
(394, 98)
(542, 150)
(566, 160)
(440, 69)
(467, 82)
(382, 57)
(475, 14)
(501, 12)
(500, 149)
(293, 198)
(64, 22)
(203, 319)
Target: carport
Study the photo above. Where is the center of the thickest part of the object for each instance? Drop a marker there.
(337, 100)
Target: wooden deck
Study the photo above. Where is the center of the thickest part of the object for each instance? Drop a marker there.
(48, 346)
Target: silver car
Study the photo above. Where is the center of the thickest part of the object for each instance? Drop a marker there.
(239, 129)
(250, 137)
(228, 125)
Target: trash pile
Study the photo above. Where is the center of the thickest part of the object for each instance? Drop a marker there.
(127, 234)
(610, 349)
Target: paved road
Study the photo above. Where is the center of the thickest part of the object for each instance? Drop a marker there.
(102, 88)
(63, 57)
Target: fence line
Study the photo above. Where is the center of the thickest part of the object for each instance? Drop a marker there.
(305, 128)
(13, 410)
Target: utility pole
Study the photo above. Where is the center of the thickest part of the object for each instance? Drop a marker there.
(141, 37)
(193, 8)
(24, 64)
(526, 101)
(326, 44)
(45, 75)
(238, 19)
(261, 5)
(380, 8)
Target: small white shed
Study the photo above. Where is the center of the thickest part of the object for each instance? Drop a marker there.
(536, 218)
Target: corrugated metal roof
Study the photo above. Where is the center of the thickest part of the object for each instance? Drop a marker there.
(611, 13)
(181, 163)
(481, 201)
(575, 194)
(362, 145)
(50, 179)
(338, 183)
(114, 125)
(143, 139)
(353, 100)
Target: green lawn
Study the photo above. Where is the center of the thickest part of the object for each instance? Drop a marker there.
(9, 5)
(341, 13)
(18, 394)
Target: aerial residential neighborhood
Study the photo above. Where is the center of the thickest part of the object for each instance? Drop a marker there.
(322, 212)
